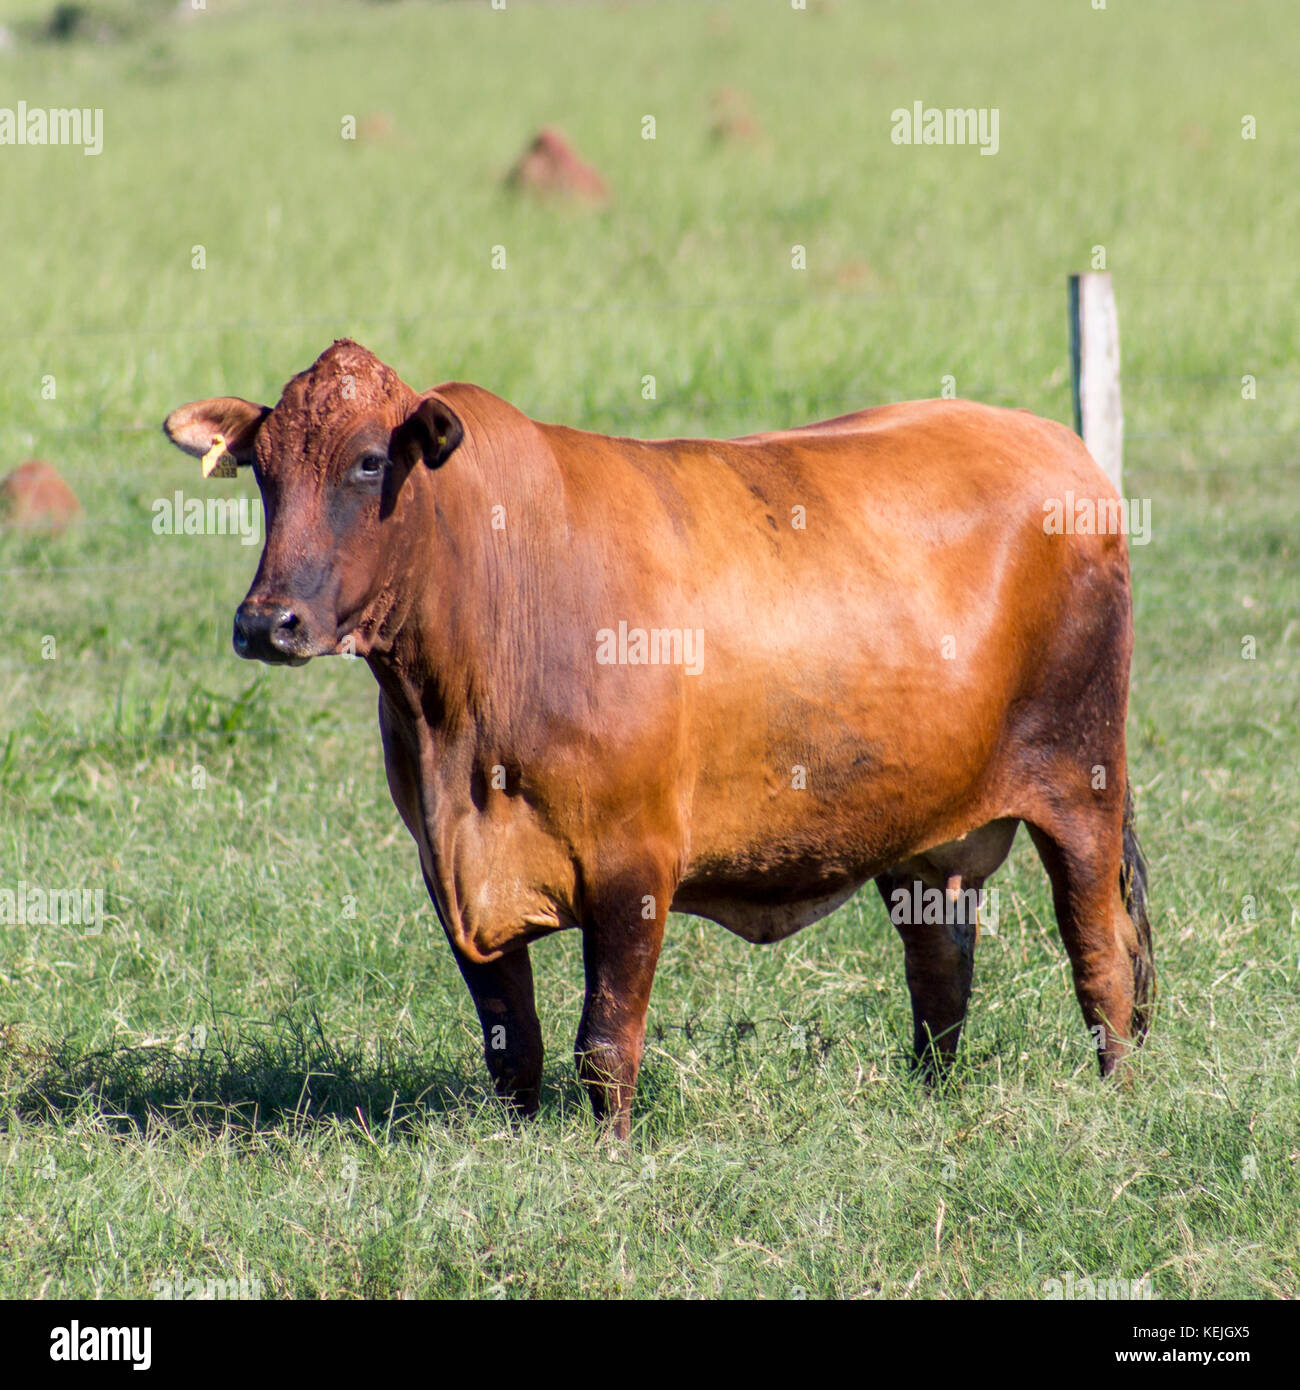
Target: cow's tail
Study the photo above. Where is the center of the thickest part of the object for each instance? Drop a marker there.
(1133, 889)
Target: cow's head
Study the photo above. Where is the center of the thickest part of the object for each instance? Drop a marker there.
(334, 462)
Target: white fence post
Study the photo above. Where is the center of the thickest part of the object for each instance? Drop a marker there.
(1094, 371)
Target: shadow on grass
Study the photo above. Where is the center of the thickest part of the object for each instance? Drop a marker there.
(288, 1075)
(285, 1075)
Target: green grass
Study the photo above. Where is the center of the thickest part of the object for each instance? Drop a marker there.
(266, 1066)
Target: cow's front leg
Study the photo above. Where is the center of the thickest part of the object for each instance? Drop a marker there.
(620, 949)
(512, 1037)
(502, 991)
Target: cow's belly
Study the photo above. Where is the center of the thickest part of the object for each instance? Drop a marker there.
(763, 922)
(763, 912)
(765, 875)
(787, 825)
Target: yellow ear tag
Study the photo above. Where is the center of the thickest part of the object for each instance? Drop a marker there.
(217, 463)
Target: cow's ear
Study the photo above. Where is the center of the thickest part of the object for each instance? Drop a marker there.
(436, 429)
(197, 427)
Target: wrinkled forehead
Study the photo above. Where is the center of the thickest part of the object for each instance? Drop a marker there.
(347, 397)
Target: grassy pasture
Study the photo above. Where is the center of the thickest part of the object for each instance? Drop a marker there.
(265, 1066)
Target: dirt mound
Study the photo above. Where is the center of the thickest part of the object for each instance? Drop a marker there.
(34, 495)
(733, 118)
(552, 167)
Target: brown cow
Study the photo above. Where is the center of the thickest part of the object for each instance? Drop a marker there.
(731, 678)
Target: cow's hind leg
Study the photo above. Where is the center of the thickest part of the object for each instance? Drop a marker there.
(1099, 892)
(933, 899)
(940, 962)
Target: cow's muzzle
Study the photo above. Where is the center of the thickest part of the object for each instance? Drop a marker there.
(271, 632)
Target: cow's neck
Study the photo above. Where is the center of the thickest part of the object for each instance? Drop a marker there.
(473, 647)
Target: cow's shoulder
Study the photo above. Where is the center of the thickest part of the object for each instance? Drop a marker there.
(479, 408)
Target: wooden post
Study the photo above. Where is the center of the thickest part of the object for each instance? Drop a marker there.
(1094, 371)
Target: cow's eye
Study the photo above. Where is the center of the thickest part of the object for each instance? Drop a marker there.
(369, 467)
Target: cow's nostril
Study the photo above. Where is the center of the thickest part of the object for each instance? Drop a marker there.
(267, 632)
(284, 623)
